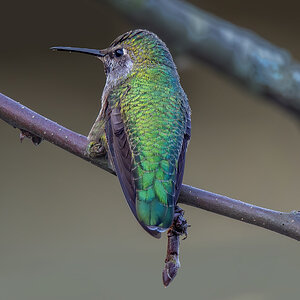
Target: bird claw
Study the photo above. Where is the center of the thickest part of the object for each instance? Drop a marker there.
(180, 224)
(95, 149)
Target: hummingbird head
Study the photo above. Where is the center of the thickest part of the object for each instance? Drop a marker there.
(132, 51)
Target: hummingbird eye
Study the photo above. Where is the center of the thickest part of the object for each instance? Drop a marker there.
(119, 52)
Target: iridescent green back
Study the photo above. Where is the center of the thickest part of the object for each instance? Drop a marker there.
(155, 113)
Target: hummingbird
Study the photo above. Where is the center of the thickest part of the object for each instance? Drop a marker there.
(144, 125)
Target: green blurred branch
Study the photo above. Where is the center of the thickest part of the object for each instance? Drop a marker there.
(37, 126)
(257, 64)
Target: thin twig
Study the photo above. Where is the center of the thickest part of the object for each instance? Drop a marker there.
(172, 263)
(260, 66)
(27, 120)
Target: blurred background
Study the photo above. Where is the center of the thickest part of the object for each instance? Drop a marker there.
(65, 229)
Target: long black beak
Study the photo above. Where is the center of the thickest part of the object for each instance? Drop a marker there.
(80, 50)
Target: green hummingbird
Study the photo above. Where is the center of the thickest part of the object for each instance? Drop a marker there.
(144, 125)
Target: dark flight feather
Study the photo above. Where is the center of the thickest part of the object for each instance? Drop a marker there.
(122, 159)
(181, 160)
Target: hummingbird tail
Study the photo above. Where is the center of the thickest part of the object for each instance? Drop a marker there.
(154, 179)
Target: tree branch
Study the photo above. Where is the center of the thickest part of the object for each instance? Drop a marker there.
(260, 66)
(27, 120)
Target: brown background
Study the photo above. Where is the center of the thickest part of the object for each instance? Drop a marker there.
(65, 229)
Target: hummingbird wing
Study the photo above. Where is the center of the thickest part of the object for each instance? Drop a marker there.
(122, 159)
(181, 160)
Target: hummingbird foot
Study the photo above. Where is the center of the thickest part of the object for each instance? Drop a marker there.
(180, 224)
(172, 263)
(95, 149)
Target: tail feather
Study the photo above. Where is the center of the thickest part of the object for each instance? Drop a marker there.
(155, 193)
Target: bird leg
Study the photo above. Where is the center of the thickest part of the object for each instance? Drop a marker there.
(172, 263)
(97, 140)
(95, 149)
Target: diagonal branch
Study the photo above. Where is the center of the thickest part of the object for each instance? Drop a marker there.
(253, 61)
(27, 120)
